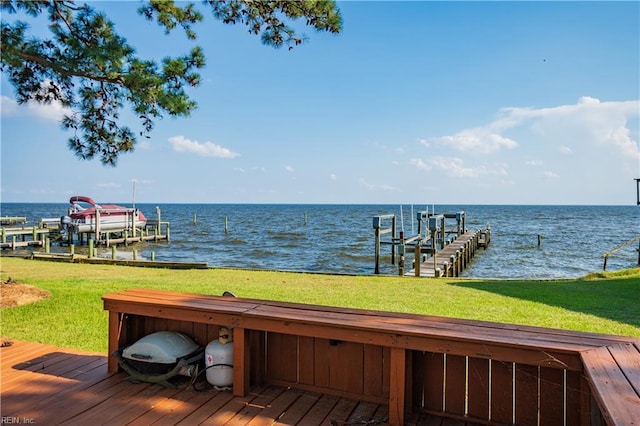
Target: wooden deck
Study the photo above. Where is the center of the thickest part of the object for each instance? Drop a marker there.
(46, 385)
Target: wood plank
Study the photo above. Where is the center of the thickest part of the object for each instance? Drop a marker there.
(526, 397)
(88, 393)
(365, 413)
(282, 357)
(342, 410)
(478, 388)
(552, 396)
(243, 304)
(181, 406)
(241, 362)
(277, 407)
(199, 415)
(321, 362)
(357, 332)
(397, 387)
(228, 410)
(324, 405)
(455, 384)
(255, 407)
(575, 398)
(618, 401)
(143, 408)
(298, 409)
(306, 360)
(346, 366)
(627, 356)
(502, 392)
(373, 370)
(433, 387)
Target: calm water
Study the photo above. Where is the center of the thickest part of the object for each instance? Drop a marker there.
(340, 238)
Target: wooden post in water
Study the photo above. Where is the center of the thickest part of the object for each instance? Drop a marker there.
(416, 253)
(113, 253)
(97, 224)
(401, 249)
(226, 225)
(539, 240)
(376, 269)
(134, 215)
(195, 219)
(393, 237)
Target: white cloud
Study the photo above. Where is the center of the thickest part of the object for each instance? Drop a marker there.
(480, 139)
(108, 185)
(597, 123)
(420, 164)
(206, 149)
(454, 166)
(289, 168)
(8, 106)
(376, 187)
(534, 163)
(565, 150)
(143, 144)
(53, 111)
(588, 121)
(551, 175)
(333, 177)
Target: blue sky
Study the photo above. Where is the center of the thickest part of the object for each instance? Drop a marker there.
(413, 103)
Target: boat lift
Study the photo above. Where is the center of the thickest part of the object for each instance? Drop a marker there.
(432, 235)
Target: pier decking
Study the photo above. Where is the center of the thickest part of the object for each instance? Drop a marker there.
(43, 384)
(453, 258)
(47, 232)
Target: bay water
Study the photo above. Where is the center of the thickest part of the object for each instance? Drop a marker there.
(340, 239)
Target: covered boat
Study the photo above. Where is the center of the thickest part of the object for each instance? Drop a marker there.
(85, 215)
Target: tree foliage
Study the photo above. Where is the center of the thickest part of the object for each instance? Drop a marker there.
(92, 71)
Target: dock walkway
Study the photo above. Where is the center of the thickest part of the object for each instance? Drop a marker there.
(453, 258)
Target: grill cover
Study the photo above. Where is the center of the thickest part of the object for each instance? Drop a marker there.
(162, 347)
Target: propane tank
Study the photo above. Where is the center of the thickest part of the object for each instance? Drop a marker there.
(218, 359)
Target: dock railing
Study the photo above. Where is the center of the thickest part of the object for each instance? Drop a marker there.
(620, 247)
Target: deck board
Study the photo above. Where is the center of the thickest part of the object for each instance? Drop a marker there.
(55, 386)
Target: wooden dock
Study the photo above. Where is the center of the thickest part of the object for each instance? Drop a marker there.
(23, 236)
(453, 258)
(438, 249)
(46, 233)
(12, 220)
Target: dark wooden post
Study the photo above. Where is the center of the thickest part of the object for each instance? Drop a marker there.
(393, 237)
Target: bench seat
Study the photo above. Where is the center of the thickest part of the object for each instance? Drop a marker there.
(399, 337)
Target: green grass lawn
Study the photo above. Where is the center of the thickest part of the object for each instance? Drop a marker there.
(73, 315)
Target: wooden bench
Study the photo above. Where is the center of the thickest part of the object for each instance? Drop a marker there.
(471, 370)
